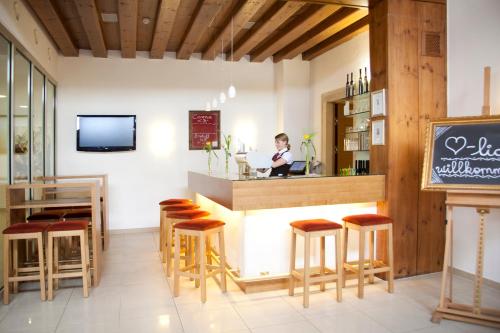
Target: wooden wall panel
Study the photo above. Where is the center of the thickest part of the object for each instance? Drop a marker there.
(432, 105)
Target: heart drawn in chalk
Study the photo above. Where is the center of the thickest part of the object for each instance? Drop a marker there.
(455, 144)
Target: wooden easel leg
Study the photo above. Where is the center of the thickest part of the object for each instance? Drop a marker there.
(446, 261)
(478, 280)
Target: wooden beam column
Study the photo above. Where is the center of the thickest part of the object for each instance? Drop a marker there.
(127, 11)
(164, 26)
(411, 99)
(89, 16)
(47, 13)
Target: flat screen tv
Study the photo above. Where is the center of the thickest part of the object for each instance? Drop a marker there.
(105, 133)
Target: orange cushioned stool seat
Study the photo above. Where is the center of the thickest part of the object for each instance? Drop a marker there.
(183, 206)
(43, 216)
(174, 201)
(168, 202)
(201, 267)
(190, 214)
(70, 225)
(315, 225)
(24, 228)
(11, 270)
(78, 215)
(309, 229)
(369, 224)
(367, 219)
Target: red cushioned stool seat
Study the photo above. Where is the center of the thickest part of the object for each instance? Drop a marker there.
(69, 225)
(199, 225)
(25, 228)
(190, 214)
(78, 215)
(315, 225)
(174, 201)
(184, 206)
(367, 219)
(42, 216)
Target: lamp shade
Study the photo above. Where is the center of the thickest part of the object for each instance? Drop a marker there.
(231, 92)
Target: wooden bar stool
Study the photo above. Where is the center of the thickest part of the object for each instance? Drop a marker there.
(369, 223)
(171, 208)
(174, 217)
(163, 204)
(308, 229)
(55, 271)
(53, 216)
(201, 229)
(13, 273)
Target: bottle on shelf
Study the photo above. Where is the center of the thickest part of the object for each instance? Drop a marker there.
(352, 86)
(347, 87)
(366, 84)
(360, 83)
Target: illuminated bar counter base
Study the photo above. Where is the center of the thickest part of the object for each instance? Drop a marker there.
(258, 211)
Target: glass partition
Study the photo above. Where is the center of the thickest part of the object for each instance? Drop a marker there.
(21, 128)
(37, 130)
(50, 111)
(4, 134)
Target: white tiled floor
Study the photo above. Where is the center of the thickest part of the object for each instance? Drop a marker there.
(135, 296)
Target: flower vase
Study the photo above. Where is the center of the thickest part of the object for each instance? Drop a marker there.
(209, 163)
(227, 165)
(308, 160)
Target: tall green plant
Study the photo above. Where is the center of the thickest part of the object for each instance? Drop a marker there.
(210, 151)
(308, 146)
(227, 150)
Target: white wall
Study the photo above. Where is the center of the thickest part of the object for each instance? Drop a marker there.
(472, 45)
(15, 16)
(292, 94)
(160, 93)
(328, 72)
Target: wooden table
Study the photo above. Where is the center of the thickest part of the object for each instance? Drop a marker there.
(103, 180)
(16, 205)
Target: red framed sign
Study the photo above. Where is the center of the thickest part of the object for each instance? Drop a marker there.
(204, 126)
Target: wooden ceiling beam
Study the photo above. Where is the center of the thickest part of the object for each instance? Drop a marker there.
(340, 37)
(47, 13)
(167, 12)
(87, 10)
(344, 3)
(339, 20)
(288, 34)
(269, 24)
(202, 18)
(127, 13)
(242, 16)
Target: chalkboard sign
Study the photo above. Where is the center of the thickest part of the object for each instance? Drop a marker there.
(204, 126)
(462, 153)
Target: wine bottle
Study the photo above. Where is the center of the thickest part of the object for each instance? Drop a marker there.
(352, 85)
(360, 83)
(367, 85)
(347, 87)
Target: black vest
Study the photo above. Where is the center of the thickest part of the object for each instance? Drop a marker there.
(282, 170)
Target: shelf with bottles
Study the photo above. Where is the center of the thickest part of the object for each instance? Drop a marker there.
(359, 87)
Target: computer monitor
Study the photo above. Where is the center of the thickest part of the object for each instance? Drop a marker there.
(298, 168)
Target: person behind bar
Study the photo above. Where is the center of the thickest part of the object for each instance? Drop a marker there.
(283, 159)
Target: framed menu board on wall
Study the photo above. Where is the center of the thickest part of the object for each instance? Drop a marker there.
(204, 126)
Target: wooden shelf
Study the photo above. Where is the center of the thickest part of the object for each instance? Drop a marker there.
(355, 114)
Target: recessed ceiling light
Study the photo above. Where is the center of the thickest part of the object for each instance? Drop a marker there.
(146, 20)
(23, 106)
(109, 17)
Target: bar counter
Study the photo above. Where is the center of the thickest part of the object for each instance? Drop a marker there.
(257, 212)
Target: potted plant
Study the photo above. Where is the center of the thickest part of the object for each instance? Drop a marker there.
(227, 150)
(308, 145)
(209, 149)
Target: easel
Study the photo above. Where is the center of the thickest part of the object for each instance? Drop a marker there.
(483, 201)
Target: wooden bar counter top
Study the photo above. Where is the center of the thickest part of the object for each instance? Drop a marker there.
(247, 193)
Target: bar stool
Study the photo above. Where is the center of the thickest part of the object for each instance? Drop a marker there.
(15, 232)
(369, 223)
(53, 216)
(174, 217)
(78, 214)
(315, 228)
(164, 218)
(201, 229)
(68, 229)
(163, 204)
